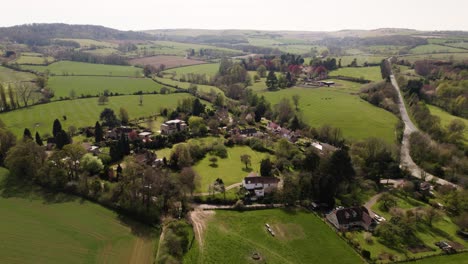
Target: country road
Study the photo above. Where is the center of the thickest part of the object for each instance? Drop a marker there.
(406, 160)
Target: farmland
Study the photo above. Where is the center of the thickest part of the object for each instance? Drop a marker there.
(86, 43)
(301, 237)
(367, 73)
(180, 49)
(432, 48)
(360, 59)
(95, 85)
(186, 85)
(84, 112)
(40, 227)
(340, 107)
(453, 259)
(168, 61)
(36, 59)
(80, 68)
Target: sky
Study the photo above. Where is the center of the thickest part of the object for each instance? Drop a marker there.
(310, 15)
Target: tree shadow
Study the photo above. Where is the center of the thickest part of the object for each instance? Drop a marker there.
(247, 169)
(289, 210)
(214, 165)
(12, 187)
(138, 229)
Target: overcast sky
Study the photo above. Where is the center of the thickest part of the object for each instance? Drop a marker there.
(242, 14)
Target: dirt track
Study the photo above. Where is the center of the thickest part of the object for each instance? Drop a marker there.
(199, 219)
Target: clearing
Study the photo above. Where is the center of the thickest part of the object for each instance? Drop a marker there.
(367, 73)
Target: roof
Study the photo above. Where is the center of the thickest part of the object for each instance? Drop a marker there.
(175, 121)
(144, 134)
(317, 145)
(263, 180)
(353, 214)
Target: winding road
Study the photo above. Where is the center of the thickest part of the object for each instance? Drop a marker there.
(405, 158)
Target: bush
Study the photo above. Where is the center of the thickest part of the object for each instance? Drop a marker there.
(366, 254)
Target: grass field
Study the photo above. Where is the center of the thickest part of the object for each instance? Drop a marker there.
(231, 170)
(26, 59)
(94, 85)
(301, 237)
(168, 61)
(463, 45)
(84, 112)
(368, 73)
(103, 51)
(433, 48)
(341, 107)
(209, 69)
(81, 68)
(91, 42)
(39, 227)
(180, 49)
(11, 76)
(186, 85)
(438, 56)
(360, 59)
(446, 118)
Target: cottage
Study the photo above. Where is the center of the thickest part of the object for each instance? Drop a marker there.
(259, 186)
(173, 126)
(346, 218)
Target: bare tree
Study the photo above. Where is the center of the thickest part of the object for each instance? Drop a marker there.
(24, 92)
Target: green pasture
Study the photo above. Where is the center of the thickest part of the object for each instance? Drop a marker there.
(68, 68)
(103, 51)
(84, 112)
(368, 73)
(91, 42)
(8, 76)
(25, 59)
(433, 48)
(438, 56)
(340, 107)
(301, 237)
(360, 59)
(179, 49)
(41, 227)
(95, 85)
(451, 259)
(210, 69)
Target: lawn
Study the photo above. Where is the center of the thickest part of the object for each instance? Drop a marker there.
(94, 85)
(231, 170)
(40, 227)
(368, 73)
(25, 59)
(84, 112)
(209, 69)
(433, 48)
(81, 68)
(446, 118)
(340, 107)
(301, 237)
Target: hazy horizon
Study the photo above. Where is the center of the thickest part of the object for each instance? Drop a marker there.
(244, 15)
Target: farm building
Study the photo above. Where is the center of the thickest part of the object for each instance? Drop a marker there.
(259, 186)
(346, 218)
(173, 126)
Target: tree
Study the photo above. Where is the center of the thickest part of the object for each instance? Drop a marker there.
(25, 159)
(12, 97)
(7, 140)
(197, 107)
(3, 101)
(108, 117)
(295, 123)
(24, 92)
(41, 81)
(91, 164)
(123, 114)
(246, 159)
(39, 139)
(311, 159)
(27, 134)
(295, 99)
(272, 81)
(103, 99)
(197, 125)
(213, 161)
(432, 215)
(187, 178)
(266, 167)
(98, 133)
(72, 94)
(261, 71)
(284, 111)
(387, 201)
(72, 130)
(57, 127)
(62, 139)
(408, 187)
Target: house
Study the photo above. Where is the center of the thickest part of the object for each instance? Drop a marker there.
(352, 217)
(258, 186)
(173, 126)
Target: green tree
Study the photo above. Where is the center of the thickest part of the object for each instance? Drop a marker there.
(295, 99)
(57, 127)
(98, 133)
(27, 134)
(387, 201)
(25, 159)
(261, 71)
(62, 139)
(198, 108)
(272, 81)
(7, 140)
(91, 164)
(266, 167)
(123, 114)
(108, 117)
(197, 125)
(246, 159)
(39, 139)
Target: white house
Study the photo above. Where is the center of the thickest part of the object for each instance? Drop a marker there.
(173, 126)
(258, 186)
